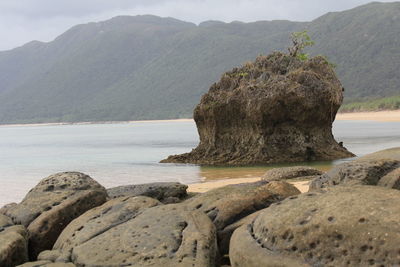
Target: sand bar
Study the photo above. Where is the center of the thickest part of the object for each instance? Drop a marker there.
(387, 115)
(206, 186)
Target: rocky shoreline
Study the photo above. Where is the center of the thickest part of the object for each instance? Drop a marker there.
(349, 217)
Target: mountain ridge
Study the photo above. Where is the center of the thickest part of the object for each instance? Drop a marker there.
(147, 67)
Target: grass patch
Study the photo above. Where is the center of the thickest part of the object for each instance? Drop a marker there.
(386, 103)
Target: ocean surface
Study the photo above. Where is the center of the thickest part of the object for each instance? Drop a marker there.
(128, 153)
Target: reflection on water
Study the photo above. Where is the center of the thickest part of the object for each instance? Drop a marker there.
(118, 154)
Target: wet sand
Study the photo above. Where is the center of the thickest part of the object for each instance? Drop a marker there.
(206, 186)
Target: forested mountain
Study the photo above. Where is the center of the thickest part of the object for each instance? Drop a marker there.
(147, 67)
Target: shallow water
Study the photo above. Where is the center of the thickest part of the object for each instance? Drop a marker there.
(118, 154)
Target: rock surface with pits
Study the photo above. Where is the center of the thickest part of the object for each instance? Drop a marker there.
(13, 243)
(137, 232)
(168, 235)
(98, 221)
(343, 226)
(227, 205)
(164, 192)
(360, 172)
(391, 180)
(277, 174)
(51, 205)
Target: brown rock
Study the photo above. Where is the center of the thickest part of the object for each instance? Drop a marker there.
(277, 174)
(224, 235)
(227, 205)
(6, 207)
(53, 204)
(276, 109)
(13, 243)
(46, 264)
(100, 220)
(137, 231)
(166, 235)
(343, 226)
(391, 153)
(391, 180)
(164, 192)
(359, 172)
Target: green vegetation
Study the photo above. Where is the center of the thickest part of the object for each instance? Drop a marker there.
(300, 41)
(146, 67)
(387, 103)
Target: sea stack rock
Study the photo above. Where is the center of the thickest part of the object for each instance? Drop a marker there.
(276, 109)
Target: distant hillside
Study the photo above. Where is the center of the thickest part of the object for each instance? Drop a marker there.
(146, 67)
(386, 103)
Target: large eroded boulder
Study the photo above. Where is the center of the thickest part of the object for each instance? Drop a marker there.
(276, 109)
(100, 220)
(51, 205)
(390, 153)
(343, 226)
(229, 204)
(166, 235)
(359, 172)
(13, 243)
(167, 192)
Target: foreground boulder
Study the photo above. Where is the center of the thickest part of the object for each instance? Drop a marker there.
(359, 172)
(164, 192)
(276, 109)
(46, 264)
(296, 172)
(391, 180)
(345, 226)
(6, 207)
(166, 235)
(390, 153)
(13, 243)
(100, 220)
(227, 205)
(51, 205)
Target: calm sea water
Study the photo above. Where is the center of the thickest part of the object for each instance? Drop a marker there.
(118, 154)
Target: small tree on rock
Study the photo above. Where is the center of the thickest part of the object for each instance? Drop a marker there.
(300, 41)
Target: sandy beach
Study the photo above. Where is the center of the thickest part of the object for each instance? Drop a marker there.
(206, 186)
(387, 115)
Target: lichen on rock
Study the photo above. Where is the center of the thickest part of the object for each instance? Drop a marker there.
(276, 109)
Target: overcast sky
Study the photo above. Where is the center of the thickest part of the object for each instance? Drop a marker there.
(22, 21)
